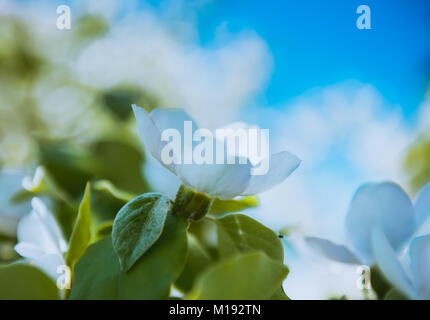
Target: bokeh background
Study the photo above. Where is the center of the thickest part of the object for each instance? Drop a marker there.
(352, 104)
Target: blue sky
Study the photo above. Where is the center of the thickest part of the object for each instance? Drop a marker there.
(316, 43)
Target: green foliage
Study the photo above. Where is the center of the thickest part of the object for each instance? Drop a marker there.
(248, 276)
(19, 59)
(342, 297)
(115, 163)
(198, 259)
(81, 235)
(395, 294)
(417, 163)
(119, 100)
(379, 283)
(235, 234)
(91, 26)
(220, 207)
(107, 187)
(120, 162)
(280, 295)
(240, 233)
(25, 282)
(103, 230)
(137, 227)
(98, 274)
(71, 166)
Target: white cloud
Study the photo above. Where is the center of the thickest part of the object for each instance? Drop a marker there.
(211, 82)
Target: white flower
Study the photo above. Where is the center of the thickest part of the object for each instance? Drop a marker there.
(418, 285)
(40, 240)
(32, 184)
(224, 181)
(377, 206)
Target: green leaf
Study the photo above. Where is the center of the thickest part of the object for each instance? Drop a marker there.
(81, 234)
(108, 187)
(98, 274)
(342, 297)
(198, 259)
(115, 159)
(395, 294)
(21, 281)
(70, 165)
(103, 230)
(379, 283)
(137, 227)
(280, 295)
(240, 233)
(120, 162)
(249, 276)
(104, 205)
(119, 99)
(220, 207)
(205, 232)
(236, 234)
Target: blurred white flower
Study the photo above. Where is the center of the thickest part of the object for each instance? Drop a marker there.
(33, 183)
(377, 206)
(418, 285)
(211, 82)
(219, 180)
(40, 240)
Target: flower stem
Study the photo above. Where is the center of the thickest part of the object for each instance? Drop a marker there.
(191, 204)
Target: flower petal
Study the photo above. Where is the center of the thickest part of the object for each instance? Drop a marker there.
(422, 205)
(420, 265)
(150, 134)
(281, 165)
(50, 223)
(254, 135)
(384, 206)
(224, 181)
(40, 229)
(28, 250)
(49, 264)
(388, 263)
(171, 119)
(332, 250)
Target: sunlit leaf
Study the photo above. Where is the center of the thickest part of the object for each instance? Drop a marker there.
(118, 100)
(81, 234)
(379, 283)
(395, 294)
(25, 282)
(98, 274)
(417, 163)
(248, 276)
(91, 26)
(198, 259)
(240, 233)
(108, 187)
(137, 227)
(69, 165)
(103, 230)
(120, 162)
(220, 207)
(280, 295)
